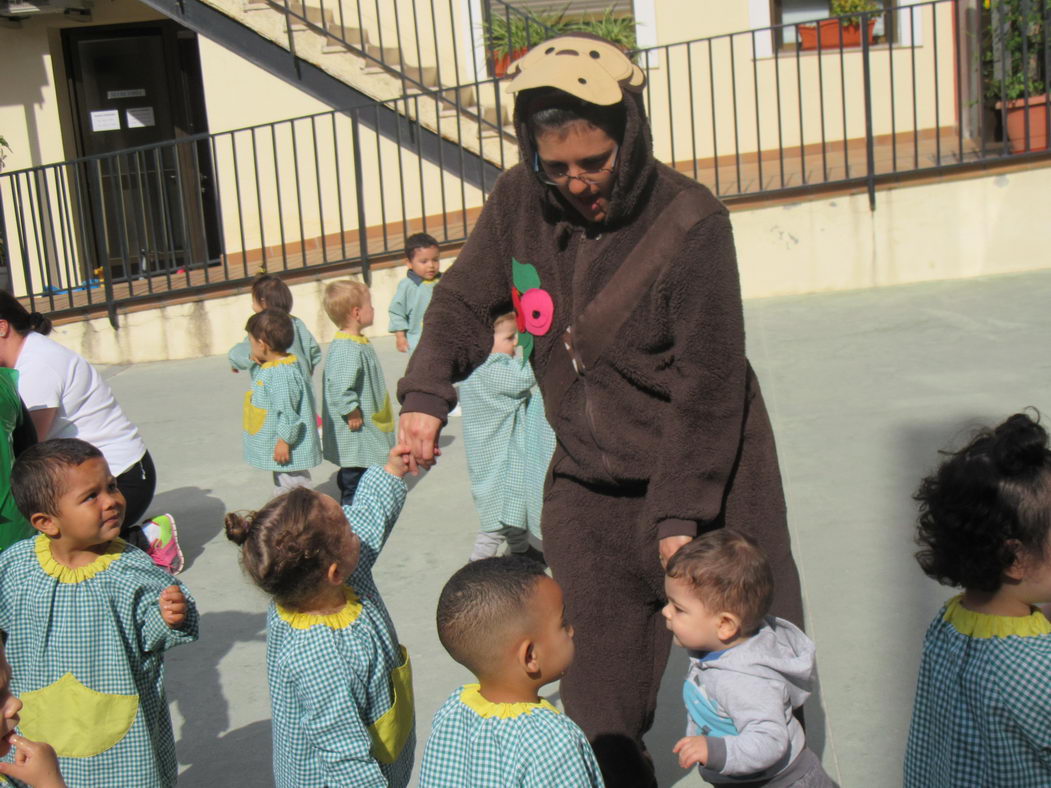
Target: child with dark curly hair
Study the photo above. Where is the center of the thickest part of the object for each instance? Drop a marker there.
(340, 684)
(982, 714)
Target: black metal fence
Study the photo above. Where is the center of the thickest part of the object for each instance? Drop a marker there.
(928, 88)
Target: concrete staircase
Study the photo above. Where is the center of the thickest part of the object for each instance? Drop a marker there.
(424, 58)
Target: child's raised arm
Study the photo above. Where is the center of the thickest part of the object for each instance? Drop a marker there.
(377, 504)
(35, 764)
(173, 606)
(240, 356)
(164, 611)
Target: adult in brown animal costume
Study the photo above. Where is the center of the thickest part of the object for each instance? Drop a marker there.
(624, 277)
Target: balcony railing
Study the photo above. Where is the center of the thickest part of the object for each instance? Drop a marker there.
(334, 191)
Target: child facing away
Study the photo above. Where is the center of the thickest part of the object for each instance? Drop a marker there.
(509, 446)
(504, 620)
(749, 671)
(88, 619)
(340, 684)
(280, 432)
(357, 422)
(415, 290)
(982, 713)
(34, 762)
(269, 292)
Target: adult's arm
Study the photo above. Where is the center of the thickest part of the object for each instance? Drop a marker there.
(458, 326)
(701, 433)
(43, 418)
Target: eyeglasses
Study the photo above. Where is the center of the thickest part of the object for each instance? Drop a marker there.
(590, 177)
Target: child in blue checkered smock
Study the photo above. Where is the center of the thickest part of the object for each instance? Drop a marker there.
(269, 292)
(340, 683)
(35, 763)
(88, 619)
(505, 621)
(982, 714)
(414, 292)
(357, 422)
(280, 432)
(508, 443)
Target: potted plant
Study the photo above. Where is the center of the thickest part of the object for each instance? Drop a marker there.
(1014, 68)
(617, 28)
(843, 29)
(510, 35)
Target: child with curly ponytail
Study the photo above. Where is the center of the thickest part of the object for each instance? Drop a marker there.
(340, 684)
(982, 714)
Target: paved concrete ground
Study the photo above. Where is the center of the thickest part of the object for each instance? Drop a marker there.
(863, 389)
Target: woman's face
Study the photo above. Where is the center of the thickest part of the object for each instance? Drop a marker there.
(579, 149)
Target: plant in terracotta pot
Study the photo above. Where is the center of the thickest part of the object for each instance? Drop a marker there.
(510, 33)
(1015, 55)
(844, 28)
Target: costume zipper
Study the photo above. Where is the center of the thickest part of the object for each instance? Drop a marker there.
(588, 411)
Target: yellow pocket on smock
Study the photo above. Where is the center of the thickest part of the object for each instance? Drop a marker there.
(384, 417)
(391, 731)
(253, 416)
(76, 720)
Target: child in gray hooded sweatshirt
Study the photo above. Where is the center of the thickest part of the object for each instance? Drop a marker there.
(748, 671)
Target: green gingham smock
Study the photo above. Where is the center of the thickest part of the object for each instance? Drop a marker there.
(982, 714)
(508, 443)
(278, 406)
(481, 744)
(410, 301)
(332, 677)
(76, 633)
(304, 347)
(353, 378)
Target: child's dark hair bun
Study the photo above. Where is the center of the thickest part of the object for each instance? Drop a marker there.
(237, 527)
(1018, 447)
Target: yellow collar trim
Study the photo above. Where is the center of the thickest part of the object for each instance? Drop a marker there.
(338, 620)
(361, 340)
(66, 574)
(289, 359)
(984, 626)
(471, 697)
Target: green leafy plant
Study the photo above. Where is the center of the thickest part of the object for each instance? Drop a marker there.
(845, 7)
(610, 25)
(509, 32)
(1014, 59)
(4, 150)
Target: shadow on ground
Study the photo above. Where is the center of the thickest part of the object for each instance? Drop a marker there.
(198, 516)
(216, 755)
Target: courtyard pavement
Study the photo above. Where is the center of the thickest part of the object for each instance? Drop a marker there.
(863, 389)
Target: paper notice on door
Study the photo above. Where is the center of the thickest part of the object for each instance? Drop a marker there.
(140, 117)
(105, 120)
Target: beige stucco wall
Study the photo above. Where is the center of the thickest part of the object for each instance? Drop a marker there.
(970, 227)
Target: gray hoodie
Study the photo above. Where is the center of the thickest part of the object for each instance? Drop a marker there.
(742, 700)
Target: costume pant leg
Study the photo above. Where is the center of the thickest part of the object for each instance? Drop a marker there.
(607, 564)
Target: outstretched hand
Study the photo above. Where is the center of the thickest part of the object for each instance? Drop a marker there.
(418, 434)
(692, 750)
(173, 606)
(35, 764)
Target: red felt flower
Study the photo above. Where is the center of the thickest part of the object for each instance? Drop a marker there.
(538, 310)
(516, 302)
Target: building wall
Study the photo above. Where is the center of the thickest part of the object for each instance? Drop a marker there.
(976, 226)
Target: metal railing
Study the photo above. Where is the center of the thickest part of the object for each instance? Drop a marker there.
(744, 113)
(750, 113)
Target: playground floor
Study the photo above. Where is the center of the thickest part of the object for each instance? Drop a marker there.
(863, 387)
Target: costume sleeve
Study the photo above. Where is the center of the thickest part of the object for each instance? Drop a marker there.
(377, 504)
(344, 380)
(286, 398)
(332, 706)
(240, 355)
(458, 332)
(757, 708)
(399, 308)
(701, 435)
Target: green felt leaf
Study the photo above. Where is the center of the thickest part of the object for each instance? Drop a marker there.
(525, 341)
(524, 276)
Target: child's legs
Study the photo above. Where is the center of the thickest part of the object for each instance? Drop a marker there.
(486, 545)
(289, 480)
(517, 538)
(347, 480)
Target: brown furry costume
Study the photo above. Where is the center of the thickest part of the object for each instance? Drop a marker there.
(665, 434)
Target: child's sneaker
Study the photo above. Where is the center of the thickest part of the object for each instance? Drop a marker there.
(163, 539)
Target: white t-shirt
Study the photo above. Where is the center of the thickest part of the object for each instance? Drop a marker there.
(52, 376)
